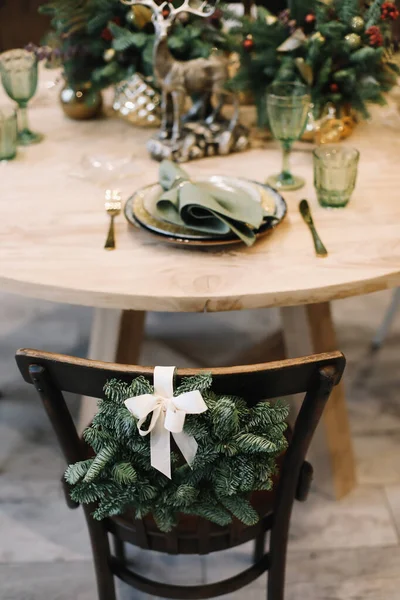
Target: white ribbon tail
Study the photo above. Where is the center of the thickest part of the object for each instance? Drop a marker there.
(187, 445)
(160, 448)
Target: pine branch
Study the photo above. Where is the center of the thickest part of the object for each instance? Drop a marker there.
(373, 14)
(241, 508)
(214, 513)
(225, 418)
(252, 443)
(77, 471)
(347, 9)
(201, 382)
(102, 458)
(123, 472)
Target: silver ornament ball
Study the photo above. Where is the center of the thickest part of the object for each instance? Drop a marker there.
(357, 24)
(353, 40)
(130, 17)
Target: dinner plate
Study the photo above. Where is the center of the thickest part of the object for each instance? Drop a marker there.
(138, 210)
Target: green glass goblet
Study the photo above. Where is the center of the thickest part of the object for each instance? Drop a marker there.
(8, 133)
(288, 104)
(19, 74)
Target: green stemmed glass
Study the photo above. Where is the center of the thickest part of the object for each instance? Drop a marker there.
(19, 74)
(287, 107)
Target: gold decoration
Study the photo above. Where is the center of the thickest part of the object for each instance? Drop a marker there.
(140, 15)
(109, 54)
(357, 24)
(137, 102)
(81, 103)
(296, 40)
(305, 70)
(330, 129)
(319, 37)
(271, 19)
(311, 127)
(353, 40)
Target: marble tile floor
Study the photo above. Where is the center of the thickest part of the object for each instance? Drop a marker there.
(347, 550)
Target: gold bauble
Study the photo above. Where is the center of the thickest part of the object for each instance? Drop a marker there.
(109, 54)
(138, 16)
(318, 37)
(353, 40)
(80, 103)
(357, 24)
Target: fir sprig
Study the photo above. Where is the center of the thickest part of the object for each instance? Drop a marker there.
(237, 454)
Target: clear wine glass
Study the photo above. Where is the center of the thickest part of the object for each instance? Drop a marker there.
(288, 104)
(19, 74)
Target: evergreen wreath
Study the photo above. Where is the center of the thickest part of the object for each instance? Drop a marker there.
(237, 454)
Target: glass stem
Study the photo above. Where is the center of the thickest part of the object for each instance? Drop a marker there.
(286, 174)
(23, 115)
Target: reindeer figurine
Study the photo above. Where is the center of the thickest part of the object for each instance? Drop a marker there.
(203, 77)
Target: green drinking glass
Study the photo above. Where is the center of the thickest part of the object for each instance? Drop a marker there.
(19, 74)
(288, 104)
(335, 174)
(8, 133)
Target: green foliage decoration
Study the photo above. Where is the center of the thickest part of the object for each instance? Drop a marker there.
(345, 75)
(83, 30)
(237, 454)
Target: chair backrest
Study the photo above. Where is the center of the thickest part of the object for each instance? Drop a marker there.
(313, 375)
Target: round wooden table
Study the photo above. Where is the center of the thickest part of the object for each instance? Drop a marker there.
(53, 228)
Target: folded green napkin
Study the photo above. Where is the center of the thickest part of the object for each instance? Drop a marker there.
(203, 207)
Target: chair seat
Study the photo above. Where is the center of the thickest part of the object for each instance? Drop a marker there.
(196, 535)
(193, 535)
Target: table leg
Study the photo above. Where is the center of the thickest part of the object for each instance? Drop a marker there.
(308, 330)
(115, 336)
(131, 333)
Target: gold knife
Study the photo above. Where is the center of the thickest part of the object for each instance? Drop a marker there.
(306, 214)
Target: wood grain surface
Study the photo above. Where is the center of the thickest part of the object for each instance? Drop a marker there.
(53, 226)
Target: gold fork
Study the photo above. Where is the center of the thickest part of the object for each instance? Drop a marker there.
(113, 208)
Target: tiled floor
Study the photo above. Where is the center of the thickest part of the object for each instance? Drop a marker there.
(348, 550)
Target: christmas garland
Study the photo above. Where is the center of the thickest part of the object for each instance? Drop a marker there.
(237, 454)
(341, 48)
(102, 42)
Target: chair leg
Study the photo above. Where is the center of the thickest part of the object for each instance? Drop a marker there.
(259, 547)
(276, 577)
(101, 557)
(382, 332)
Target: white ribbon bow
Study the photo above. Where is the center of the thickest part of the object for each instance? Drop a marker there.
(168, 417)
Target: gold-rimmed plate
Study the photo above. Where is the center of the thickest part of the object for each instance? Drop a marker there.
(137, 214)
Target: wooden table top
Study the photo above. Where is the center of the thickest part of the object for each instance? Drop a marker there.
(53, 226)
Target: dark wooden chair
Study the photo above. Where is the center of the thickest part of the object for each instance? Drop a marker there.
(51, 374)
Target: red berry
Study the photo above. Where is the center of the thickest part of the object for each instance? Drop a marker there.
(165, 12)
(334, 88)
(106, 33)
(389, 11)
(310, 18)
(248, 44)
(375, 36)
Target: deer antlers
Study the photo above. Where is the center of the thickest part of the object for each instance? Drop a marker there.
(204, 9)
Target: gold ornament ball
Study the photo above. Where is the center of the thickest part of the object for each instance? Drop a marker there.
(80, 104)
(353, 40)
(357, 24)
(109, 54)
